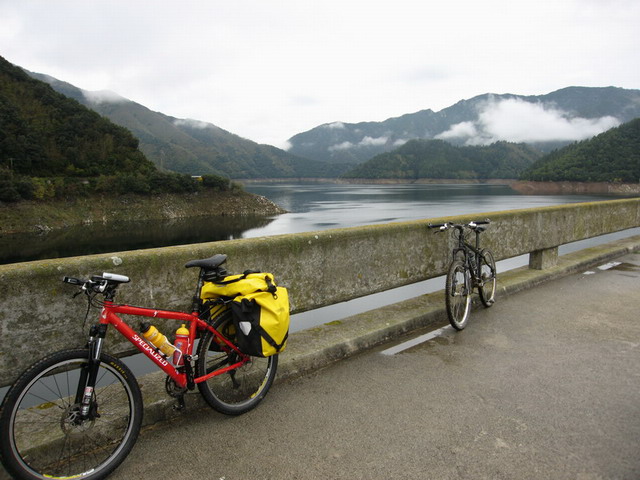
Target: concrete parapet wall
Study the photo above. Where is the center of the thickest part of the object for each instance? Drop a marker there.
(38, 316)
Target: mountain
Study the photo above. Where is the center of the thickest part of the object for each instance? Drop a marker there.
(52, 147)
(191, 146)
(546, 122)
(612, 156)
(418, 159)
(45, 134)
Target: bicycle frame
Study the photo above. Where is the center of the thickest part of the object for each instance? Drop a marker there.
(466, 248)
(109, 316)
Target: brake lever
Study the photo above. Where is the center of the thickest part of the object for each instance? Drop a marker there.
(440, 229)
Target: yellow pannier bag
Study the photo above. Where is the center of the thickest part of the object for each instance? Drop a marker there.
(235, 285)
(260, 311)
(262, 322)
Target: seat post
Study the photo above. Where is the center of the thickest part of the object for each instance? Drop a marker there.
(197, 302)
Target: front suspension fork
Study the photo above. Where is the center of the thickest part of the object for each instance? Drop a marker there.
(89, 374)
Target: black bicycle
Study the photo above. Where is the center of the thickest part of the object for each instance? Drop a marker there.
(471, 267)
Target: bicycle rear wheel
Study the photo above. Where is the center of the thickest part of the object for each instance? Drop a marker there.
(458, 294)
(239, 390)
(42, 434)
(488, 278)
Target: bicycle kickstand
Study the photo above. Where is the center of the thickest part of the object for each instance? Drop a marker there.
(181, 405)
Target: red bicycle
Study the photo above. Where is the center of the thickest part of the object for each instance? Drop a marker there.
(77, 413)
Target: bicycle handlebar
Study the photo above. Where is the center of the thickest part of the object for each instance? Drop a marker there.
(97, 283)
(446, 225)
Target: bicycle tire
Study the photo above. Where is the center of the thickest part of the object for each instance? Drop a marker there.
(239, 390)
(41, 435)
(488, 278)
(458, 294)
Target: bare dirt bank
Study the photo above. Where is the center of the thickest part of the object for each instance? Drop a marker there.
(576, 187)
(30, 216)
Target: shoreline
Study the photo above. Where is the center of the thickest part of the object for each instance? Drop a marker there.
(38, 217)
(568, 188)
(524, 187)
(377, 181)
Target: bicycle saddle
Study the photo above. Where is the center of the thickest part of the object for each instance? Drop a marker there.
(210, 263)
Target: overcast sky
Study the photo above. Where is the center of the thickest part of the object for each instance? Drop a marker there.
(267, 70)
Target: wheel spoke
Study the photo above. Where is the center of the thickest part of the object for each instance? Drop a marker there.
(240, 389)
(458, 294)
(48, 436)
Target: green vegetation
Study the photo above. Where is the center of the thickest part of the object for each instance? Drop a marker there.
(46, 134)
(194, 147)
(612, 156)
(320, 142)
(53, 147)
(14, 188)
(439, 160)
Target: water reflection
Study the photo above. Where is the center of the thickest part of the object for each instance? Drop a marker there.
(318, 207)
(100, 238)
(310, 206)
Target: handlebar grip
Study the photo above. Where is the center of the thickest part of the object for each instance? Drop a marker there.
(436, 225)
(73, 281)
(486, 221)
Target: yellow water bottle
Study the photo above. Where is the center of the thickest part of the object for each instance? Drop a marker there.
(157, 339)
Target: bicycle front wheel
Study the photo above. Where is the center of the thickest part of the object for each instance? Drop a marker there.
(458, 294)
(236, 391)
(488, 278)
(42, 432)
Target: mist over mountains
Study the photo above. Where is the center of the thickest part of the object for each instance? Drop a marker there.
(545, 122)
(192, 146)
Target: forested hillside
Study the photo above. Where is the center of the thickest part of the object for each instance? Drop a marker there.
(193, 147)
(481, 120)
(51, 146)
(612, 156)
(421, 159)
(46, 134)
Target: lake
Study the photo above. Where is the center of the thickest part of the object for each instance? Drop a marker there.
(318, 207)
(310, 206)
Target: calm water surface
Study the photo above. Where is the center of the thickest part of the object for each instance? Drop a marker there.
(318, 207)
(311, 207)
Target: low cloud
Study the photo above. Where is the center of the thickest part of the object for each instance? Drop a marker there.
(334, 125)
(187, 122)
(459, 130)
(365, 142)
(370, 141)
(515, 120)
(341, 146)
(103, 96)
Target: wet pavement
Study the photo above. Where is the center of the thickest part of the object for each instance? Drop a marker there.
(543, 385)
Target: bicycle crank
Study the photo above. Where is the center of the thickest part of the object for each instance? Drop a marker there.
(175, 391)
